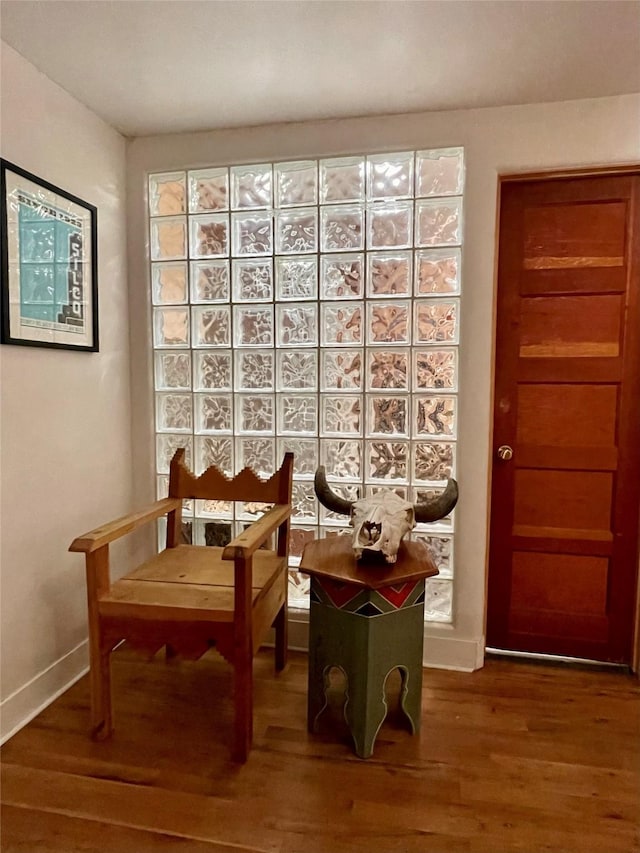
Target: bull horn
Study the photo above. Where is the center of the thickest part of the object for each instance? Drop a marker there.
(328, 498)
(438, 507)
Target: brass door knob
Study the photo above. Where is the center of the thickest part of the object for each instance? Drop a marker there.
(505, 452)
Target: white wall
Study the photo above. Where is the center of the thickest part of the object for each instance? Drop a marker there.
(498, 141)
(65, 416)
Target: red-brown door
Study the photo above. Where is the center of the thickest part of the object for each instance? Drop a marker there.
(565, 505)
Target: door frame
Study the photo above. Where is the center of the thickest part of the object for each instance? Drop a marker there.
(601, 171)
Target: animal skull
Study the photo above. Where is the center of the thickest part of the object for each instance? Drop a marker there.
(380, 521)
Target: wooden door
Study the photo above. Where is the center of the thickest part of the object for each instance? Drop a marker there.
(564, 509)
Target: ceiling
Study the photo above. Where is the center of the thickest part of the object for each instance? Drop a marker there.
(163, 66)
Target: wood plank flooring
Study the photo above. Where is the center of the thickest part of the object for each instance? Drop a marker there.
(515, 757)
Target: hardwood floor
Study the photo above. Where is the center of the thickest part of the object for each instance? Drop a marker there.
(515, 757)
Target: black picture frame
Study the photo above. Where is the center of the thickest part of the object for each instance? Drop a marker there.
(48, 264)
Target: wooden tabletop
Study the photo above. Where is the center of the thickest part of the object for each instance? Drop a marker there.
(334, 558)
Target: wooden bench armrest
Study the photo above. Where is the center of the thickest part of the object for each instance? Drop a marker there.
(101, 536)
(258, 532)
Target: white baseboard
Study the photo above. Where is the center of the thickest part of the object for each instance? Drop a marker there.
(27, 701)
(440, 652)
(299, 630)
(452, 653)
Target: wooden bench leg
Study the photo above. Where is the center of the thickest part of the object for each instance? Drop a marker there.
(281, 625)
(243, 710)
(101, 707)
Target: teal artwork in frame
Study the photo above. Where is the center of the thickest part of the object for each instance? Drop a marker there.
(49, 289)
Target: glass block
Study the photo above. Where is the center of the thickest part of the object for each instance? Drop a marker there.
(296, 183)
(213, 412)
(169, 283)
(330, 532)
(252, 234)
(298, 538)
(440, 549)
(255, 413)
(218, 508)
(169, 239)
(342, 228)
(173, 413)
(342, 179)
(254, 370)
(253, 326)
(296, 278)
(166, 446)
(436, 321)
(217, 534)
(161, 530)
(211, 326)
(341, 415)
(196, 535)
(439, 222)
(341, 323)
(305, 455)
(438, 600)
(253, 280)
(342, 276)
(388, 416)
(304, 503)
(341, 370)
(434, 416)
(210, 281)
(400, 491)
(387, 368)
(251, 186)
(209, 235)
(186, 533)
(171, 327)
(297, 325)
(173, 371)
(298, 414)
(437, 271)
(349, 493)
(251, 510)
(390, 225)
(388, 322)
(297, 231)
(440, 172)
(214, 451)
(167, 194)
(424, 494)
(257, 454)
(389, 274)
(208, 190)
(435, 368)
(162, 487)
(433, 460)
(390, 175)
(387, 460)
(297, 371)
(299, 584)
(342, 458)
(212, 371)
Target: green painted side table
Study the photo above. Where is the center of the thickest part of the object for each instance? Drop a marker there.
(367, 619)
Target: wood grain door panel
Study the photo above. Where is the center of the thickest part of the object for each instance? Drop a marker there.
(564, 512)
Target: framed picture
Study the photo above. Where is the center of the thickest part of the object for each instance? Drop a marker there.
(49, 286)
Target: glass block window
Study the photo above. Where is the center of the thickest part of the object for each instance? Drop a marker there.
(311, 306)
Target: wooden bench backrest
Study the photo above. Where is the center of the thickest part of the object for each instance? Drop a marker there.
(245, 486)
